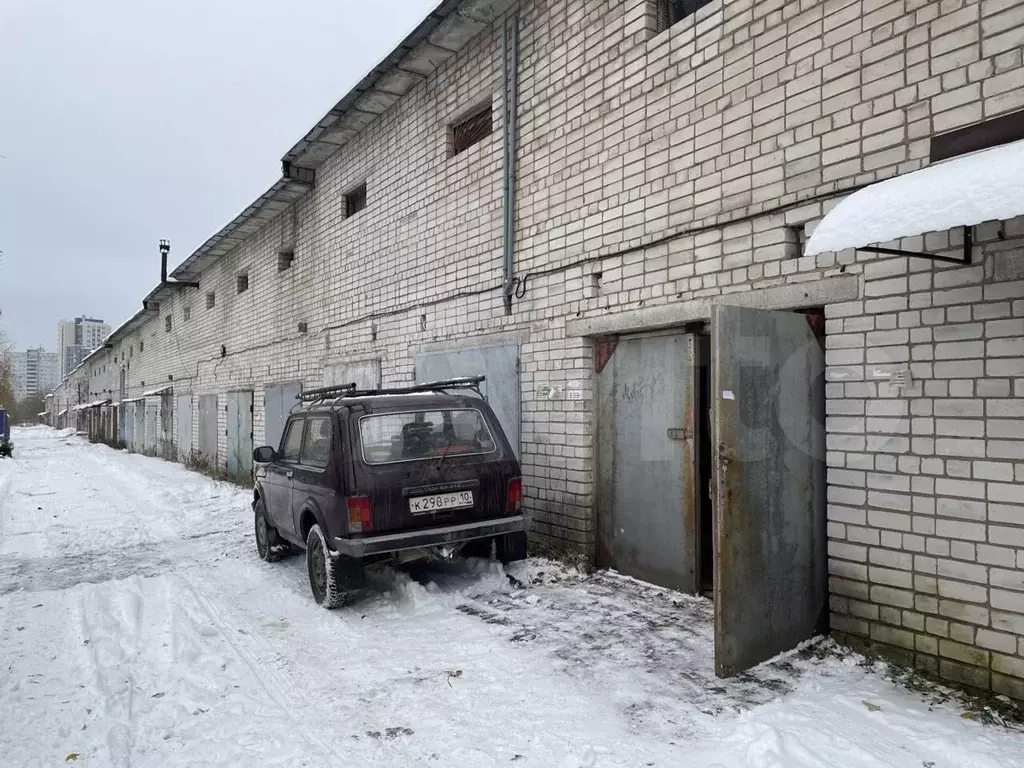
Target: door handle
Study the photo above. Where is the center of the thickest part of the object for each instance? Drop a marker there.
(289, 474)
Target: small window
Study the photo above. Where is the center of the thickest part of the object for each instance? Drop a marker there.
(355, 200)
(285, 259)
(670, 12)
(242, 283)
(316, 442)
(292, 441)
(168, 324)
(141, 345)
(211, 300)
(187, 313)
(471, 130)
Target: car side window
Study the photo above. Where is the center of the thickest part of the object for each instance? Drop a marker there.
(316, 443)
(292, 441)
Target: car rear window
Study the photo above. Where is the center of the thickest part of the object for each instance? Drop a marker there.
(417, 435)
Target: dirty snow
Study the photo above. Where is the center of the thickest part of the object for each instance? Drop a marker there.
(983, 186)
(138, 628)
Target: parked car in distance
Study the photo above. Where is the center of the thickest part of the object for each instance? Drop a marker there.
(363, 478)
(6, 446)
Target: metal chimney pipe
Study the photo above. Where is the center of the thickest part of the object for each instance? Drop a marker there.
(165, 248)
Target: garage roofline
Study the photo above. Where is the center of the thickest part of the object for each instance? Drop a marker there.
(439, 37)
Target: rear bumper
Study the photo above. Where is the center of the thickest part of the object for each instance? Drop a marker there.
(431, 537)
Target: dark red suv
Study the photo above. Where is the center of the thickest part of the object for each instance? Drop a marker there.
(367, 477)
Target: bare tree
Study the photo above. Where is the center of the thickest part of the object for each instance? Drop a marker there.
(7, 399)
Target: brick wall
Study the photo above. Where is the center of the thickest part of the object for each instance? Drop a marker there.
(662, 167)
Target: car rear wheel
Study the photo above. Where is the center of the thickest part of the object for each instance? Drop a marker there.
(266, 534)
(324, 570)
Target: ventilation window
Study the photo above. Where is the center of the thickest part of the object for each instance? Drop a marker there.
(669, 12)
(242, 283)
(211, 300)
(355, 200)
(472, 130)
(168, 324)
(187, 312)
(142, 344)
(285, 259)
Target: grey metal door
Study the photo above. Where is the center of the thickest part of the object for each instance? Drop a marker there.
(140, 426)
(767, 395)
(239, 434)
(183, 415)
(167, 449)
(499, 363)
(646, 487)
(128, 425)
(207, 443)
(365, 374)
(151, 436)
(277, 402)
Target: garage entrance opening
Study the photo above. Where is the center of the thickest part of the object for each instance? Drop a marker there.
(705, 508)
(711, 472)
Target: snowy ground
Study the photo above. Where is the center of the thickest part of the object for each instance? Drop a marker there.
(138, 628)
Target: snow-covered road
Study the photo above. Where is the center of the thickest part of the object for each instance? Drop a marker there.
(138, 628)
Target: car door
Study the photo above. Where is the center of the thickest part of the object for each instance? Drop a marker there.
(310, 485)
(279, 476)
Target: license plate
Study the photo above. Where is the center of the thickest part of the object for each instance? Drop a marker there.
(424, 504)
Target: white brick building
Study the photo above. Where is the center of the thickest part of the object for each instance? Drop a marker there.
(659, 174)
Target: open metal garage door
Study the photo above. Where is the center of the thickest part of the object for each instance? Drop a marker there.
(239, 434)
(278, 400)
(769, 477)
(499, 363)
(646, 503)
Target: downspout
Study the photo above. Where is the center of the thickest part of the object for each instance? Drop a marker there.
(510, 85)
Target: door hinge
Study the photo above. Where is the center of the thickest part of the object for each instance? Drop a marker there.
(677, 433)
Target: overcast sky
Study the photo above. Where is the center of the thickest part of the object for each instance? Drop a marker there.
(125, 121)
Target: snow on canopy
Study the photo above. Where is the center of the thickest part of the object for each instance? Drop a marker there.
(983, 186)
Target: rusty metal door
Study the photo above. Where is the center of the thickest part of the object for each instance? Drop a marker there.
(207, 443)
(768, 402)
(646, 496)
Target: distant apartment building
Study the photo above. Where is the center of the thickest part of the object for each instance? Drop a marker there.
(36, 372)
(76, 339)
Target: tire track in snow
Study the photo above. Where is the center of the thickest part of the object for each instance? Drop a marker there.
(276, 686)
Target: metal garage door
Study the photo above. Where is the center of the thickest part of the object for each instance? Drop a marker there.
(183, 415)
(151, 433)
(499, 363)
(128, 425)
(277, 402)
(239, 434)
(364, 373)
(140, 426)
(646, 488)
(769, 484)
(207, 430)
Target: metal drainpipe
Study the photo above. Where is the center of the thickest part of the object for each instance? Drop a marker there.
(509, 76)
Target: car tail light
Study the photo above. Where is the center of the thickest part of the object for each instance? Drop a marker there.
(360, 519)
(515, 495)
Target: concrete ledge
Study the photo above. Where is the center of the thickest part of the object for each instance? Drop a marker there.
(789, 296)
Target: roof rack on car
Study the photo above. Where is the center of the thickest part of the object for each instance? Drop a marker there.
(341, 391)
